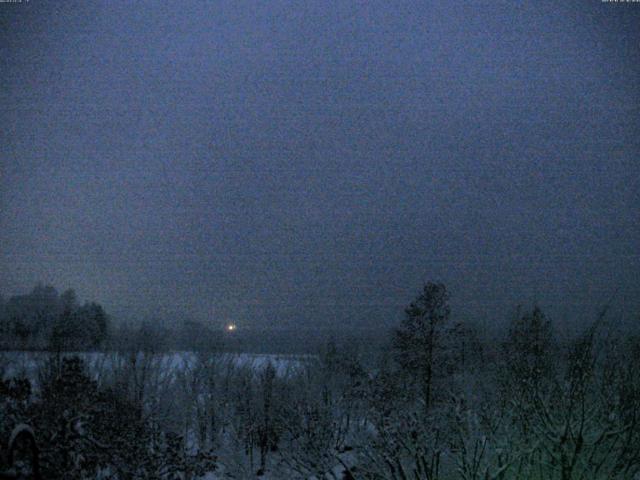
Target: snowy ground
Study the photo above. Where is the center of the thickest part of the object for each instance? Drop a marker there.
(19, 363)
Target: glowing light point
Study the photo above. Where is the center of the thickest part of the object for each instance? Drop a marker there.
(231, 327)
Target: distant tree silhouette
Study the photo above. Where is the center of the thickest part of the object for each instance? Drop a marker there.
(95, 321)
(69, 300)
(528, 351)
(418, 338)
(42, 318)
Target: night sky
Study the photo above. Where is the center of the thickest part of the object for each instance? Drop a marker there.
(311, 164)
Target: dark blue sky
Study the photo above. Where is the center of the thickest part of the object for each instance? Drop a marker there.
(312, 163)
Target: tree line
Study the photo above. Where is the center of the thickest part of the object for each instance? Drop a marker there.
(43, 318)
(436, 403)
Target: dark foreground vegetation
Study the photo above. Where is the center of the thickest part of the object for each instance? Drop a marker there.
(437, 403)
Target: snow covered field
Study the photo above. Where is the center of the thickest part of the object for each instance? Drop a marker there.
(21, 363)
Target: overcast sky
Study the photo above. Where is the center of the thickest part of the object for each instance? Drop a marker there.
(312, 163)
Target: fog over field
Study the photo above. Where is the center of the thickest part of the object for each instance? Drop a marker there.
(320, 240)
